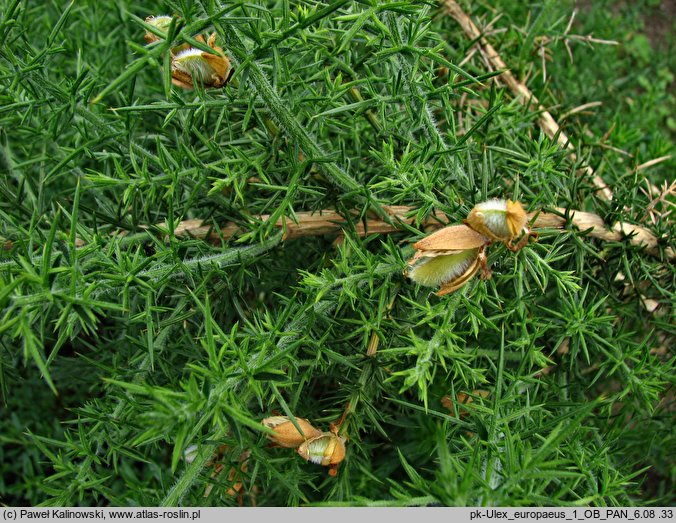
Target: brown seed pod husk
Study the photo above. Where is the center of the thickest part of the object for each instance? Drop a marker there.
(455, 284)
(453, 238)
(286, 434)
(516, 218)
(448, 269)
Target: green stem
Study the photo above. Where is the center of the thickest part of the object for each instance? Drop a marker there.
(220, 390)
(279, 109)
(430, 126)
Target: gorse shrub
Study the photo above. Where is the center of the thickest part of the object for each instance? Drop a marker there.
(154, 312)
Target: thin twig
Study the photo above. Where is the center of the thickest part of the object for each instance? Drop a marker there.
(522, 93)
(580, 108)
(655, 161)
(659, 197)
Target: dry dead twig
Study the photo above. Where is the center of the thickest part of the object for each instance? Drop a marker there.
(330, 222)
(660, 196)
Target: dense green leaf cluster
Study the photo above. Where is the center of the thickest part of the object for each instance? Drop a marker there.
(124, 345)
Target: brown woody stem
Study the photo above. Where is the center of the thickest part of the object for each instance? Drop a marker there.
(330, 222)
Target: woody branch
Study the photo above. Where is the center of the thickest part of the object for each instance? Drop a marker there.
(330, 222)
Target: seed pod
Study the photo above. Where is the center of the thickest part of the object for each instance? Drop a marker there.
(454, 284)
(327, 449)
(449, 258)
(453, 238)
(499, 220)
(451, 271)
(286, 434)
(159, 22)
(211, 70)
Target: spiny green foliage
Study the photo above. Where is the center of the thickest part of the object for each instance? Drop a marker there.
(122, 345)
